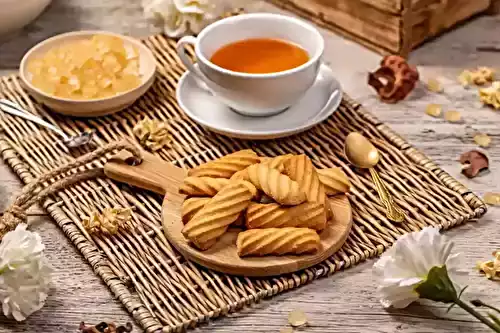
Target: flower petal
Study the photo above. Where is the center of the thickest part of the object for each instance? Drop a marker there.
(407, 263)
(24, 273)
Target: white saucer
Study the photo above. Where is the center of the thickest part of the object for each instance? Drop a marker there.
(320, 101)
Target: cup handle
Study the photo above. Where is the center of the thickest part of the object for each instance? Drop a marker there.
(181, 52)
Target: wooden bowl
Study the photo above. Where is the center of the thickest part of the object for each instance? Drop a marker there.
(95, 107)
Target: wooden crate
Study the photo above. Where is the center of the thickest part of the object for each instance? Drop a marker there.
(386, 26)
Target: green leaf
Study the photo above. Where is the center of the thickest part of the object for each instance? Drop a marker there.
(494, 318)
(438, 286)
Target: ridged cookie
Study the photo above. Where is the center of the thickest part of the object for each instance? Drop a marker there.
(202, 186)
(276, 185)
(276, 162)
(226, 166)
(192, 206)
(250, 186)
(240, 175)
(224, 208)
(307, 215)
(334, 180)
(301, 169)
(279, 241)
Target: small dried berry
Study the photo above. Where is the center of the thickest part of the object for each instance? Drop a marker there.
(474, 162)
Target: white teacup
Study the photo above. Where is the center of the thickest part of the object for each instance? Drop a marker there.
(255, 94)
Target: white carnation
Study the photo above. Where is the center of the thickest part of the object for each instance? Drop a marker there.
(180, 17)
(406, 265)
(24, 273)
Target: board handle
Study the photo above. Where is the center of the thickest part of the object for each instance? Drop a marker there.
(152, 173)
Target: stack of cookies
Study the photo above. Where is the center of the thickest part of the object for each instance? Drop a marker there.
(281, 203)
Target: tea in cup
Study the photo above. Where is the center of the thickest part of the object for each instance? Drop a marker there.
(257, 64)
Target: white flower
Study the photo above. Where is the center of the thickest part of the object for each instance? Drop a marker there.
(406, 266)
(24, 273)
(181, 17)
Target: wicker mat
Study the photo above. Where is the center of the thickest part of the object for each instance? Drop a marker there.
(157, 286)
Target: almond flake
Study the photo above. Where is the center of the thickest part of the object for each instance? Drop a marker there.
(434, 110)
(152, 133)
(478, 76)
(452, 116)
(297, 318)
(109, 221)
(492, 198)
(434, 85)
(490, 268)
(286, 330)
(482, 140)
(483, 75)
(491, 95)
(465, 78)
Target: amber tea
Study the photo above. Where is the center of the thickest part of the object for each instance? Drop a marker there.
(260, 56)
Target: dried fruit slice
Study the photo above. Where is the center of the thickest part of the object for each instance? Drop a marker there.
(434, 85)
(492, 198)
(97, 67)
(110, 64)
(125, 83)
(297, 318)
(452, 116)
(434, 110)
(482, 140)
(465, 78)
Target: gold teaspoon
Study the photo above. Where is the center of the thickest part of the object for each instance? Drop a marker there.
(360, 152)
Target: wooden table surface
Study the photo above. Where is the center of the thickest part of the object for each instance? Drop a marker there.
(346, 301)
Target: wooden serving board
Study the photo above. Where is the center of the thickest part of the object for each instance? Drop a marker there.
(162, 177)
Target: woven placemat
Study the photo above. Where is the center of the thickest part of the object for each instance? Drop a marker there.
(157, 286)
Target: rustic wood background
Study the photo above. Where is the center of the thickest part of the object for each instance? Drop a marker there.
(345, 302)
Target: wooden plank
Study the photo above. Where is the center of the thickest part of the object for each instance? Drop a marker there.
(391, 6)
(494, 8)
(353, 18)
(425, 21)
(389, 26)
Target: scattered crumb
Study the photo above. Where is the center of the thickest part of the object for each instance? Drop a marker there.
(297, 318)
(482, 140)
(490, 268)
(152, 133)
(452, 116)
(109, 221)
(434, 85)
(434, 110)
(491, 95)
(492, 198)
(479, 76)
